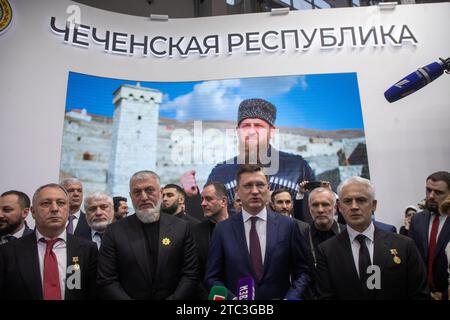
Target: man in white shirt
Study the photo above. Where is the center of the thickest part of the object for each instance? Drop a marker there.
(14, 209)
(48, 264)
(365, 262)
(99, 214)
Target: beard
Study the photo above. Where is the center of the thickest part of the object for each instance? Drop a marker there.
(149, 215)
(170, 209)
(432, 207)
(7, 228)
(100, 226)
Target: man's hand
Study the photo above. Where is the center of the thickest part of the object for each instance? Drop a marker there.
(188, 183)
(303, 190)
(325, 184)
(436, 295)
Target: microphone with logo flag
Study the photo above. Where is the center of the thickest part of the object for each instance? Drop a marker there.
(218, 293)
(417, 80)
(246, 289)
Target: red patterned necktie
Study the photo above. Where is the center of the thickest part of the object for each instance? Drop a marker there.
(431, 248)
(52, 289)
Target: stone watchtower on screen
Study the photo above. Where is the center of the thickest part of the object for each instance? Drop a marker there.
(134, 136)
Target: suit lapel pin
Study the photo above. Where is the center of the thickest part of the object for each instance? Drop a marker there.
(396, 258)
(75, 260)
(165, 241)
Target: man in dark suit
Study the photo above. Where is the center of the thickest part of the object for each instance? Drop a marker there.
(257, 243)
(364, 262)
(76, 223)
(48, 264)
(282, 203)
(14, 209)
(430, 229)
(148, 255)
(173, 202)
(215, 209)
(384, 226)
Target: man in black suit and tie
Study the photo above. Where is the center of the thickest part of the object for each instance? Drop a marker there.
(76, 223)
(48, 264)
(148, 255)
(257, 243)
(215, 209)
(430, 229)
(173, 202)
(364, 262)
(14, 209)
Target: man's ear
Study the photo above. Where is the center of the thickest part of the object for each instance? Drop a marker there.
(25, 213)
(374, 206)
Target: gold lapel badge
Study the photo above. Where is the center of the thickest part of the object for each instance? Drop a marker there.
(396, 258)
(75, 260)
(165, 241)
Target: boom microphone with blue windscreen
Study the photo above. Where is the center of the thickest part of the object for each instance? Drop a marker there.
(417, 80)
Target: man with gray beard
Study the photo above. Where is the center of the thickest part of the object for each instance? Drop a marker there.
(99, 214)
(149, 255)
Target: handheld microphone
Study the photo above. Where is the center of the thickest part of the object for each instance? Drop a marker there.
(246, 289)
(417, 80)
(218, 293)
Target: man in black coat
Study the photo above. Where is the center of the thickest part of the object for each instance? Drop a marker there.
(364, 262)
(215, 209)
(25, 263)
(430, 229)
(148, 255)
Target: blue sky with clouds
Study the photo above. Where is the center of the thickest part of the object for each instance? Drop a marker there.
(325, 101)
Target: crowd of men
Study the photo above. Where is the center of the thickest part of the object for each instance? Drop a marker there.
(250, 226)
(161, 252)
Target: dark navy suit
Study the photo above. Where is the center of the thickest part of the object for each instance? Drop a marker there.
(285, 274)
(419, 233)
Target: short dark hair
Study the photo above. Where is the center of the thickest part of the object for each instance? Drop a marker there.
(23, 199)
(278, 191)
(440, 176)
(249, 168)
(116, 201)
(179, 189)
(219, 188)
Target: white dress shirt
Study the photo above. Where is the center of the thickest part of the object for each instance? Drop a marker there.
(60, 250)
(96, 238)
(352, 233)
(261, 229)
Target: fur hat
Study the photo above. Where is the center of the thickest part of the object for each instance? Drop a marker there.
(257, 108)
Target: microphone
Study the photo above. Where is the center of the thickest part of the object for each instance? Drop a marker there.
(218, 293)
(417, 80)
(246, 289)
